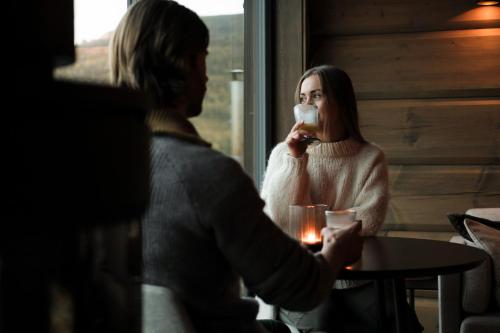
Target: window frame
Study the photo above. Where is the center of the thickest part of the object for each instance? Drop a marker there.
(257, 85)
(257, 81)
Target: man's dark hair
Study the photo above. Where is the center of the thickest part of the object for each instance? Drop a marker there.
(152, 48)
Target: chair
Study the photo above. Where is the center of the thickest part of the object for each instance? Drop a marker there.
(163, 311)
(465, 299)
(267, 311)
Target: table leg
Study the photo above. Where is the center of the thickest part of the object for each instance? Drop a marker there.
(400, 306)
(380, 297)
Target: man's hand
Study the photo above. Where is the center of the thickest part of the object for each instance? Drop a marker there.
(343, 246)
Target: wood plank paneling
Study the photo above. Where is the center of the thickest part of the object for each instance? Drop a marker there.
(289, 62)
(442, 236)
(461, 63)
(427, 180)
(429, 212)
(426, 76)
(434, 131)
(348, 17)
(421, 196)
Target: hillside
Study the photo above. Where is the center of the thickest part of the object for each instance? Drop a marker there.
(225, 54)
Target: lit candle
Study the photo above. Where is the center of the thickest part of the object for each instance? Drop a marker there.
(310, 237)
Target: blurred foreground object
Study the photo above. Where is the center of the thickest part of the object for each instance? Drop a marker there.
(75, 183)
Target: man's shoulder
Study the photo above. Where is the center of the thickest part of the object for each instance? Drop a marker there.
(196, 159)
(208, 176)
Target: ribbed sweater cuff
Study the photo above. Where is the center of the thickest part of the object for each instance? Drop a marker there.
(296, 164)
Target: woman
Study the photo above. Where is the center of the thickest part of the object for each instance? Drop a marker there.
(343, 172)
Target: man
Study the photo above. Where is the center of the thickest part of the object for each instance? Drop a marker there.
(205, 227)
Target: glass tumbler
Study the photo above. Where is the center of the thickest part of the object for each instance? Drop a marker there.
(306, 221)
(309, 114)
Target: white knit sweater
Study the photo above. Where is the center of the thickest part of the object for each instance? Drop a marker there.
(344, 174)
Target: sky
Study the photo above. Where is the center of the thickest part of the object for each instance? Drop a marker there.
(214, 7)
(93, 18)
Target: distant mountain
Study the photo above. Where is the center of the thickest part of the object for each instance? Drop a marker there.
(221, 27)
(101, 41)
(225, 54)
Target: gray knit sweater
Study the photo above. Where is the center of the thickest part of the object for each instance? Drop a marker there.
(205, 229)
(342, 175)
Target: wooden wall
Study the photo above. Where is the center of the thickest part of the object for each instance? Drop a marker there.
(289, 61)
(427, 78)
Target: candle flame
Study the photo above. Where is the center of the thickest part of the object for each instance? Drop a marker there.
(310, 237)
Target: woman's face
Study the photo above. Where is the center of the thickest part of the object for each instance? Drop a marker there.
(311, 92)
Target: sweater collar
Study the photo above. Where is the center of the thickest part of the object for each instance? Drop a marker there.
(346, 147)
(174, 124)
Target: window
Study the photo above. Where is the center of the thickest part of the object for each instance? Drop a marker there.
(221, 122)
(237, 133)
(95, 21)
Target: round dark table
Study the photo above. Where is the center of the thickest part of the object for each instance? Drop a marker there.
(392, 259)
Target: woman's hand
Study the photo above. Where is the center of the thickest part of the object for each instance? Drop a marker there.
(295, 140)
(342, 246)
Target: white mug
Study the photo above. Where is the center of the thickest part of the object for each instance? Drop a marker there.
(340, 218)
